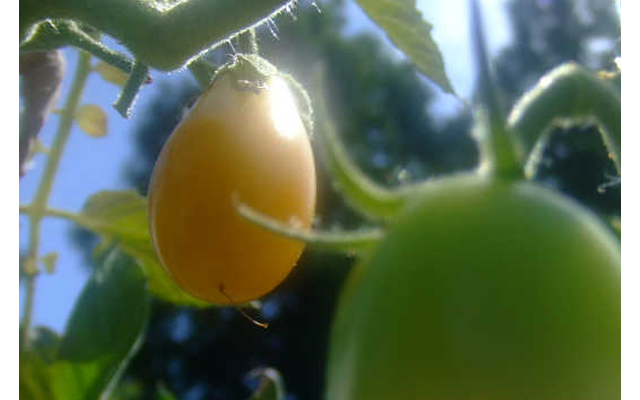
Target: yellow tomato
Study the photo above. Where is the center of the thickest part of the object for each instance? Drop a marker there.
(240, 143)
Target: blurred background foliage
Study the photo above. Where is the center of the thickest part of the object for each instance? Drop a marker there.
(381, 109)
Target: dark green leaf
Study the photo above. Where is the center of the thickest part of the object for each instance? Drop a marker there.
(34, 380)
(42, 377)
(103, 332)
(110, 314)
(406, 28)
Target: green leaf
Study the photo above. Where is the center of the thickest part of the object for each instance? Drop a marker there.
(92, 120)
(121, 216)
(406, 28)
(42, 377)
(110, 314)
(271, 386)
(34, 380)
(111, 74)
(103, 332)
(85, 381)
(34, 370)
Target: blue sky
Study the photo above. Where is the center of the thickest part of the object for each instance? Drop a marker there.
(93, 164)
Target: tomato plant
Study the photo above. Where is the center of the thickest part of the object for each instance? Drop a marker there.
(242, 142)
(477, 286)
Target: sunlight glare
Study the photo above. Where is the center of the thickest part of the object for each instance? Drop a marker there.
(283, 109)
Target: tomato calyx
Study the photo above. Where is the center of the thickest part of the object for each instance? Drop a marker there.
(252, 73)
(249, 72)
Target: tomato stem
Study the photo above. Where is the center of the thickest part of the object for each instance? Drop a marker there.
(364, 195)
(161, 37)
(39, 204)
(341, 242)
(248, 41)
(568, 91)
(498, 146)
(68, 33)
(131, 88)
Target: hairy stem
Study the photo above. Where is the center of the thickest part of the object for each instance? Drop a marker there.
(57, 213)
(498, 146)
(163, 39)
(130, 91)
(57, 34)
(567, 92)
(349, 242)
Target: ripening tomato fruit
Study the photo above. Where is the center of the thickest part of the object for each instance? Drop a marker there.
(244, 144)
(483, 290)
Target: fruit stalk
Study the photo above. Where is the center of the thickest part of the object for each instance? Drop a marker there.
(498, 147)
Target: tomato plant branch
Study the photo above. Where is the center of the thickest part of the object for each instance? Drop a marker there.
(342, 242)
(130, 91)
(56, 34)
(364, 195)
(52, 212)
(567, 92)
(165, 39)
(498, 147)
(39, 204)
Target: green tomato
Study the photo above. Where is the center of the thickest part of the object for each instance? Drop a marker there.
(483, 289)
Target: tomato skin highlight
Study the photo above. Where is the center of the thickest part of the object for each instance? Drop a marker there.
(234, 145)
(483, 290)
